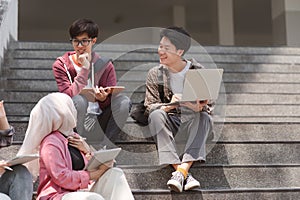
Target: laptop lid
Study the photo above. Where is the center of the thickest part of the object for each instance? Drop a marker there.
(202, 84)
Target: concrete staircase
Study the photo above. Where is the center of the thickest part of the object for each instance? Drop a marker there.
(255, 153)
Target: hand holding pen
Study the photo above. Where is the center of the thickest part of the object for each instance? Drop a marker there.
(4, 166)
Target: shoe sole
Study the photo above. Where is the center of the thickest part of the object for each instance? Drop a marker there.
(174, 185)
(191, 186)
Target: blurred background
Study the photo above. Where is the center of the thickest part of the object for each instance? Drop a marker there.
(210, 22)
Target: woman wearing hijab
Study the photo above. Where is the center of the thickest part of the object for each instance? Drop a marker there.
(63, 156)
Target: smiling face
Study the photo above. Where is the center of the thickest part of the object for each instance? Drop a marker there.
(168, 54)
(80, 47)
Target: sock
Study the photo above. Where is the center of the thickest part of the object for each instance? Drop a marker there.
(183, 171)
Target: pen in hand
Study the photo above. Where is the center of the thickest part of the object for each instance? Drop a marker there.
(8, 168)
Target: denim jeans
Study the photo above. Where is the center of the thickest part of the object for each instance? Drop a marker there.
(17, 184)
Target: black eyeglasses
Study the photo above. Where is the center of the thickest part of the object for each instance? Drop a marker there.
(84, 42)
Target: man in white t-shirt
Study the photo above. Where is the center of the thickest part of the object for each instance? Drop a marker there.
(180, 130)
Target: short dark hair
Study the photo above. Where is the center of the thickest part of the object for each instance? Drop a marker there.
(81, 26)
(178, 36)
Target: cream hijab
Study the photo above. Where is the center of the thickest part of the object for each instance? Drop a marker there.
(55, 111)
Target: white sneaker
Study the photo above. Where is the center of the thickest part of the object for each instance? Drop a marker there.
(191, 182)
(176, 182)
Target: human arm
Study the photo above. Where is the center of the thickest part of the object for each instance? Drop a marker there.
(3, 164)
(152, 97)
(96, 174)
(55, 162)
(104, 79)
(61, 68)
(197, 106)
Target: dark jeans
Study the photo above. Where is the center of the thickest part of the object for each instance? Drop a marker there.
(17, 184)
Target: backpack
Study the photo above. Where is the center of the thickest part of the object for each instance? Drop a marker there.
(138, 111)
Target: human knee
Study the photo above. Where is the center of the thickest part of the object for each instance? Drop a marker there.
(22, 173)
(205, 117)
(157, 116)
(80, 103)
(122, 102)
(116, 171)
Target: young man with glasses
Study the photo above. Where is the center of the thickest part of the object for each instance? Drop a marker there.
(74, 71)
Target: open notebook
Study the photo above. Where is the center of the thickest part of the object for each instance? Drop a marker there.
(89, 92)
(22, 159)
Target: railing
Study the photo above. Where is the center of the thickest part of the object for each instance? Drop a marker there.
(8, 24)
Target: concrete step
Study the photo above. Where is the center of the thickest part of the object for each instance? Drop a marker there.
(144, 66)
(129, 47)
(136, 97)
(231, 110)
(227, 132)
(138, 75)
(145, 153)
(231, 87)
(221, 194)
(152, 56)
(230, 133)
(224, 133)
(218, 176)
(220, 153)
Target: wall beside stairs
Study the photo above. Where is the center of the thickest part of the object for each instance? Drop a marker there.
(8, 24)
(256, 154)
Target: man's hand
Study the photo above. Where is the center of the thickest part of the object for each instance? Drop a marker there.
(196, 107)
(101, 93)
(175, 98)
(84, 60)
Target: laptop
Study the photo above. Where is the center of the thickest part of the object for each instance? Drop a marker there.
(202, 84)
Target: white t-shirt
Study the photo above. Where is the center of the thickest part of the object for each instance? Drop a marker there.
(177, 79)
(93, 106)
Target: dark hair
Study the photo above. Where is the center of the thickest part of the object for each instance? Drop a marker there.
(178, 36)
(82, 26)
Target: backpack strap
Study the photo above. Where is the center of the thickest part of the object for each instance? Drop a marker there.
(161, 86)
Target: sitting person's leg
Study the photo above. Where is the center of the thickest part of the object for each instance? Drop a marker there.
(198, 130)
(163, 128)
(81, 105)
(113, 185)
(114, 117)
(194, 149)
(4, 125)
(17, 184)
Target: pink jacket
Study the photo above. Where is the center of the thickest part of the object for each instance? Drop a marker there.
(56, 174)
(106, 77)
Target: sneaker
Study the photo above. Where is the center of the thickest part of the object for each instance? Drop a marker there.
(176, 182)
(191, 182)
